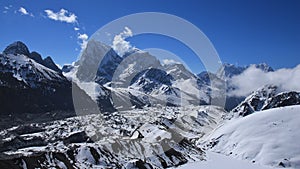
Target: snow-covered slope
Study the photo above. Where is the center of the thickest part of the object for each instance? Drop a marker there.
(219, 161)
(267, 137)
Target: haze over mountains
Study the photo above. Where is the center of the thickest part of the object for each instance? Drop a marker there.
(136, 112)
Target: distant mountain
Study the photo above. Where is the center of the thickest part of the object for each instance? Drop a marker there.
(134, 63)
(229, 70)
(100, 64)
(264, 67)
(265, 98)
(67, 68)
(151, 79)
(178, 71)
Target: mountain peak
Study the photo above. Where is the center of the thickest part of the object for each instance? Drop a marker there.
(264, 67)
(36, 57)
(17, 47)
(255, 101)
(229, 70)
(49, 63)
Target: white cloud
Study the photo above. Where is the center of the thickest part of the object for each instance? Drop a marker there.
(23, 11)
(83, 36)
(83, 40)
(63, 16)
(76, 29)
(6, 7)
(170, 62)
(253, 78)
(120, 45)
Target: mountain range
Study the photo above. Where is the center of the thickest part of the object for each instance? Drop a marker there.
(131, 111)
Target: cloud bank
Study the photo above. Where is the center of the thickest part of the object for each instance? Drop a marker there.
(253, 78)
(120, 45)
(63, 16)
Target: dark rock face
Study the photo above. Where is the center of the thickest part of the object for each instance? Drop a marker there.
(283, 99)
(17, 48)
(107, 67)
(152, 79)
(255, 101)
(266, 98)
(36, 57)
(49, 63)
(67, 68)
(90, 60)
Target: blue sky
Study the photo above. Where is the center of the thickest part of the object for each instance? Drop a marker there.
(243, 32)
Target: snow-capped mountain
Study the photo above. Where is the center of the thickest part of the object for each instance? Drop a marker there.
(16, 61)
(178, 71)
(151, 79)
(132, 65)
(229, 70)
(19, 48)
(29, 87)
(100, 64)
(254, 102)
(138, 76)
(265, 98)
(89, 61)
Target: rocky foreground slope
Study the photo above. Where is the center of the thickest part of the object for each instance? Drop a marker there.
(149, 138)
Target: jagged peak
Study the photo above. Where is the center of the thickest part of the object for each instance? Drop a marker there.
(263, 66)
(36, 57)
(17, 47)
(49, 63)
